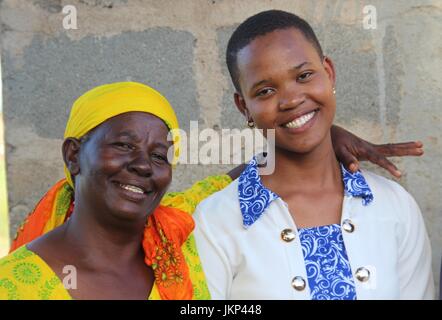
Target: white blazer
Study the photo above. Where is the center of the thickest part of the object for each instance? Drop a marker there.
(386, 242)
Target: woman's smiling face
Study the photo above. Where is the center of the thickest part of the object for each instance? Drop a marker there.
(286, 86)
(123, 167)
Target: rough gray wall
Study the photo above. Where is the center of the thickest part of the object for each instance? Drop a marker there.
(389, 84)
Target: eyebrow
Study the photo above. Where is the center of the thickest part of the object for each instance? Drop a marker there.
(133, 136)
(128, 134)
(161, 145)
(257, 84)
(299, 66)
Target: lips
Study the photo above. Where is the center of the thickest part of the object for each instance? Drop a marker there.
(300, 120)
(136, 189)
(132, 188)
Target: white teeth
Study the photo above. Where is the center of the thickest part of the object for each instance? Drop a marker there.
(299, 122)
(131, 188)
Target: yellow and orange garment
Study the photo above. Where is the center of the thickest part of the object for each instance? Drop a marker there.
(24, 275)
(168, 243)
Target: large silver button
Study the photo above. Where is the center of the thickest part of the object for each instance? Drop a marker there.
(363, 274)
(298, 283)
(348, 226)
(288, 235)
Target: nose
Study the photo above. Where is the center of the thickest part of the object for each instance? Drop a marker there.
(141, 165)
(291, 100)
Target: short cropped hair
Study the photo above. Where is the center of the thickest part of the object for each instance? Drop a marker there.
(259, 25)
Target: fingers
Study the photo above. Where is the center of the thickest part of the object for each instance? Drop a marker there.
(348, 160)
(354, 166)
(236, 172)
(412, 148)
(386, 164)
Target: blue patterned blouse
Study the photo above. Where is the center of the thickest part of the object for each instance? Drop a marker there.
(328, 268)
(326, 262)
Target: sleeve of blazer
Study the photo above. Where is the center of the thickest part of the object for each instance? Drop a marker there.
(215, 262)
(414, 265)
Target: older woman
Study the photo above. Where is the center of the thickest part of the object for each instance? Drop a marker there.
(115, 151)
(118, 241)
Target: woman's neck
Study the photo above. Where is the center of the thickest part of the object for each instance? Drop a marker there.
(98, 243)
(315, 170)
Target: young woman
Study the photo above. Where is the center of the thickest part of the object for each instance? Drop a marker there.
(311, 229)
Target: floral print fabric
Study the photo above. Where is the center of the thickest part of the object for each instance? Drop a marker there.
(326, 262)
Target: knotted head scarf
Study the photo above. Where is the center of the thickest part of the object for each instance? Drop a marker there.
(109, 100)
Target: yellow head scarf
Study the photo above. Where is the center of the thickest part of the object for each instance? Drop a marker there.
(109, 100)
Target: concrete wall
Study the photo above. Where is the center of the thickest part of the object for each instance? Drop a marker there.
(389, 84)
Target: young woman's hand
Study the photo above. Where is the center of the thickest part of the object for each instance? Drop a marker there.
(351, 149)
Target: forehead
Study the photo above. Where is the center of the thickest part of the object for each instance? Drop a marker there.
(276, 48)
(138, 123)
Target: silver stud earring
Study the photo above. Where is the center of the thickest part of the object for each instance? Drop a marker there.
(334, 91)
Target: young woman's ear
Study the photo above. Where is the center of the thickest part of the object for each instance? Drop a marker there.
(330, 69)
(71, 155)
(241, 105)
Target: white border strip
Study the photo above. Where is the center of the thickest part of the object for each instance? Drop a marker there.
(4, 219)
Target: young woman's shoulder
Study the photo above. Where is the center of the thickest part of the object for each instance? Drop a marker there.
(390, 198)
(221, 208)
(380, 185)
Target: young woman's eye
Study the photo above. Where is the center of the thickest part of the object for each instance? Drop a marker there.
(264, 92)
(304, 76)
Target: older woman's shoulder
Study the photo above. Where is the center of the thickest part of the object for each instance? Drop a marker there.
(24, 276)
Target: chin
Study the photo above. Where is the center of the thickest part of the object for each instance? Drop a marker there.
(303, 145)
(133, 208)
(298, 148)
(130, 212)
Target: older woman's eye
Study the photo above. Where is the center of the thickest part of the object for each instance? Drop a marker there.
(159, 158)
(123, 146)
